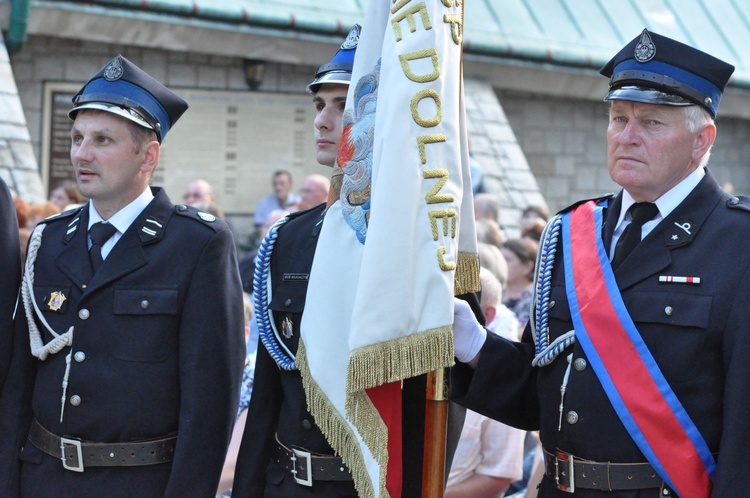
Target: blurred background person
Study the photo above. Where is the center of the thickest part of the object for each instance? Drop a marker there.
(520, 254)
(533, 230)
(492, 259)
(314, 191)
(534, 212)
(66, 196)
(489, 231)
(38, 212)
(198, 191)
(282, 198)
(487, 206)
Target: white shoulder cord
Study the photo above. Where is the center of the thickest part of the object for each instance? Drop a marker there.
(38, 348)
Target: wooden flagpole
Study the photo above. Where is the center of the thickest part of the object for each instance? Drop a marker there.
(435, 433)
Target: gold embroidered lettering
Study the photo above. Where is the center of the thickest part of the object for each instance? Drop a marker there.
(408, 14)
(428, 139)
(422, 66)
(397, 4)
(456, 22)
(418, 97)
(448, 217)
(433, 197)
(416, 55)
(445, 266)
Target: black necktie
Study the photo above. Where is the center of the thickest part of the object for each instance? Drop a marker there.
(99, 233)
(641, 212)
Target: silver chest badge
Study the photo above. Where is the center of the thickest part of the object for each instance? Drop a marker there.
(645, 49)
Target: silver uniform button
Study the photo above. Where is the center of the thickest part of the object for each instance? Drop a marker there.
(551, 304)
(571, 417)
(75, 400)
(84, 314)
(668, 310)
(144, 304)
(79, 356)
(580, 364)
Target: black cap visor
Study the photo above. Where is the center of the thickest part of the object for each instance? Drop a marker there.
(647, 95)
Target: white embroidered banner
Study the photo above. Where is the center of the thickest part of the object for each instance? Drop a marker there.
(400, 240)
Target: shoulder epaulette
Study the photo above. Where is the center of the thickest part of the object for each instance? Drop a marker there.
(739, 202)
(204, 218)
(64, 215)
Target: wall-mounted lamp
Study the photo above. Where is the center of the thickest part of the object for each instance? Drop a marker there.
(253, 70)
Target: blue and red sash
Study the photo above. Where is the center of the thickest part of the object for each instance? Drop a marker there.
(638, 391)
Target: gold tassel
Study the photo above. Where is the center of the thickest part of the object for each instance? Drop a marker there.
(467, 274)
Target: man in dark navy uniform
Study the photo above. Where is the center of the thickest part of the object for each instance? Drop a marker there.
(10, 256)
(129, 345)
(665, 413)
(278, 420)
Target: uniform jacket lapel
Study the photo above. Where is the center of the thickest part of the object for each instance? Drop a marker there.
(653, 254)
(127, 255)
(73, 260)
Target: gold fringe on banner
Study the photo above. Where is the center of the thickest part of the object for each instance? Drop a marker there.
(386, 362)
(467, 274)
(399, 359)
(338, 432)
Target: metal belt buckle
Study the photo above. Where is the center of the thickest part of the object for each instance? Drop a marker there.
(306, 466)
(79, 454)
(564, 472)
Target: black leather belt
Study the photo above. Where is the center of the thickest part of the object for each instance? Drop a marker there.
(76, 454)
(307, 467)
(569, 473)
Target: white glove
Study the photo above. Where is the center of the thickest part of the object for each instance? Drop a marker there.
(468, 333)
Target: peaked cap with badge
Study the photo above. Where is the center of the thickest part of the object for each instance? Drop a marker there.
(682, 295)
(654, 69)
(124, 89)
(120, 363)
(339, 70)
